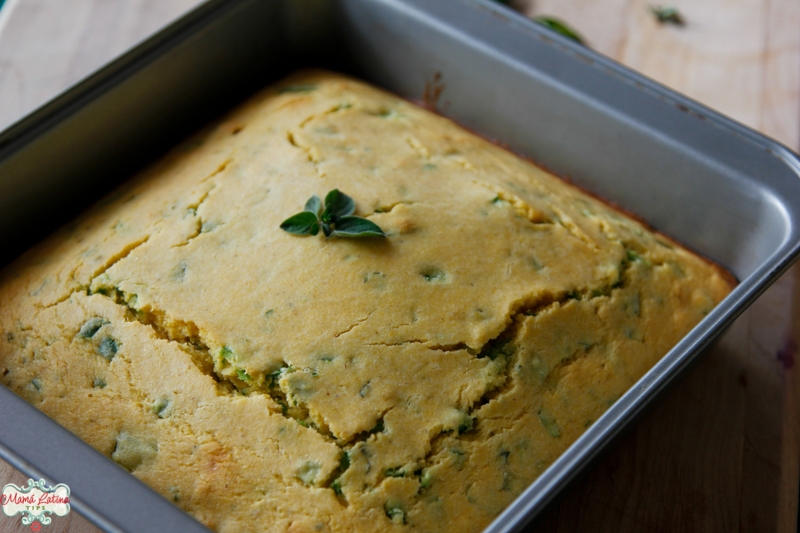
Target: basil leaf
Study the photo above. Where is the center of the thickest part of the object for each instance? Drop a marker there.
(351, 226)
(313, 205)
(338, 204)
(560, 27)
(304, 223)
(326, 229)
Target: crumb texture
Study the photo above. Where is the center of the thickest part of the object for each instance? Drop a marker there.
(296, 384)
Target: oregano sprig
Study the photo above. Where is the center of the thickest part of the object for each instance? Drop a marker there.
(335, 217)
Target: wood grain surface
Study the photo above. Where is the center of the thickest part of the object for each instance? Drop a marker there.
(721, 451)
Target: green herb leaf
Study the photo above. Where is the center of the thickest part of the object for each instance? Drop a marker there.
(395, 512)
(559, 26)
(425, 479)
(550, 424)
(667, 15)
(108, 348)
(336, 218)
(304, 223)
(91, 326)
(226, 353)
(313, 205)
(466, 424)
(357, 227)
(344, 461)
(397, 471)
(160, 408)
(337, 205)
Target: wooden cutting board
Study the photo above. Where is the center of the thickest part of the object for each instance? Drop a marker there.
(721, 451)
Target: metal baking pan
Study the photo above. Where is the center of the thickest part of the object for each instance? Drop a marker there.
(721, 188)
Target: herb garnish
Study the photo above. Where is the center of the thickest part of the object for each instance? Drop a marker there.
(559, 26)
(667, 14)
(335, 218)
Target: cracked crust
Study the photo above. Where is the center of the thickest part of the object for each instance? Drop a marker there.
(255, 377)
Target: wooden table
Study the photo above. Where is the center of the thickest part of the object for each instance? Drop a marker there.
(721, 451)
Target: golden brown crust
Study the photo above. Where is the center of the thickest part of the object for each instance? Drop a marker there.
(430, 103)
(305, 384)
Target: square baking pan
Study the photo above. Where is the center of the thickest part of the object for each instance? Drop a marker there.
(722, 189)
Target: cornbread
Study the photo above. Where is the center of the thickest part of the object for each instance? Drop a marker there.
(265, 381)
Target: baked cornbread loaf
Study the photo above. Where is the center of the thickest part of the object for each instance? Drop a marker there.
(269, 382)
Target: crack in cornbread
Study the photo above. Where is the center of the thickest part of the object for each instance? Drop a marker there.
(264, 381)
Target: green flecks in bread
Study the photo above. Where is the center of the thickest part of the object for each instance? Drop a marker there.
(418, 381)
(132, 450)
